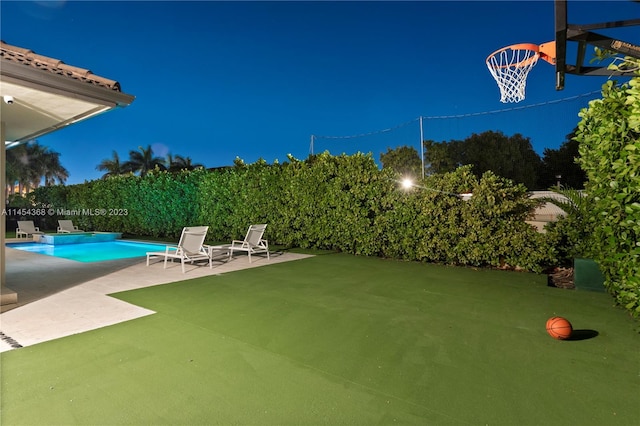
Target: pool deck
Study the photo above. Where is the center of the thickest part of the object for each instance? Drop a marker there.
(59, 297)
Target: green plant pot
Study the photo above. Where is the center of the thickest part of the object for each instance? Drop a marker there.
(587, 275)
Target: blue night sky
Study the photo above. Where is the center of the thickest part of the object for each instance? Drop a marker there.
(220, 80)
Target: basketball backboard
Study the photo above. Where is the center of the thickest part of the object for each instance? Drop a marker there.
(510, 65)
(583, 36)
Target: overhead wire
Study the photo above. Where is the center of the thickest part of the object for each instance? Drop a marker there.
(448, 117)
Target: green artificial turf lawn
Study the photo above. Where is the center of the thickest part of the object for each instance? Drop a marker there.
(338, 339)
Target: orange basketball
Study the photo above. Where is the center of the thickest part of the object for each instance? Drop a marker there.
(559, 328)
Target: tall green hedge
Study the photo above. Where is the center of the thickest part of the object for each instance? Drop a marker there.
(340, 203)
(609, 136)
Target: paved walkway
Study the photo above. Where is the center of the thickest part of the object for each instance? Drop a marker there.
(59, 297)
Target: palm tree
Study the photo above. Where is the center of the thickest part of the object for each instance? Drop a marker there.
(574, 202)
(51, 169)
(574, 230)
(28, 164)
(11, 172)
(179, 162)
(35, 166)
(142, 161)
(16, 168)
(112, 167)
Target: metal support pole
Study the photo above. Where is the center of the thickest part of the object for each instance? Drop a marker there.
(3, 205)
(422, 146)
(311, 145)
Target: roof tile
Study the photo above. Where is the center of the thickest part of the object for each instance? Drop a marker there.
(56, 66)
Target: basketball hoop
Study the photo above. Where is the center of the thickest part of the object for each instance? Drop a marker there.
(510, 66)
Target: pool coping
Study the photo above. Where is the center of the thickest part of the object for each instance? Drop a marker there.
(156, 246)
(74, 297)
(64, 238)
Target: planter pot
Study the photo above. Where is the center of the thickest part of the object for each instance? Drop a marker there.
(587, 275)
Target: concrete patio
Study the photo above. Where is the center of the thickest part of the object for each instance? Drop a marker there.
(59, 297)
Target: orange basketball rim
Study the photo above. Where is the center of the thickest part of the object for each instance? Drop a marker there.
(510, 67)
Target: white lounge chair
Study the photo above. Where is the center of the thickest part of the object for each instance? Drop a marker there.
(189, 249)
(26, 228)
(67, 227)
(253, 243)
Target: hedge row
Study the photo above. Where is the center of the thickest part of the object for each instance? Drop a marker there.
(609, 136)
(328, 202)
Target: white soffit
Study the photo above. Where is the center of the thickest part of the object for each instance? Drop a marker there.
(34, 112)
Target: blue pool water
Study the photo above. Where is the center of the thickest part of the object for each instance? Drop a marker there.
(91, 252)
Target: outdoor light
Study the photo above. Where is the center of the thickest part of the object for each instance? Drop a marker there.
(8, 99)
(407, 183)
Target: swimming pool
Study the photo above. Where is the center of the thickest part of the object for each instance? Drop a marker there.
(91, 252)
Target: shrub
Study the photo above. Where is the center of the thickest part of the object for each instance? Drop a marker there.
(571, 235)
(609, 136)
(342, 203)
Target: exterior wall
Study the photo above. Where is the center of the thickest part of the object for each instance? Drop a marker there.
(3, 202)
(547, 212)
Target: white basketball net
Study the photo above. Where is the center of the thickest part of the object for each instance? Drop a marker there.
(510, 67)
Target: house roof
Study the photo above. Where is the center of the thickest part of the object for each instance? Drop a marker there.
(41, 94)
(31, 59)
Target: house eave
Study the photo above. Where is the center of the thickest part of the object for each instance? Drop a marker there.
(62, 85)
